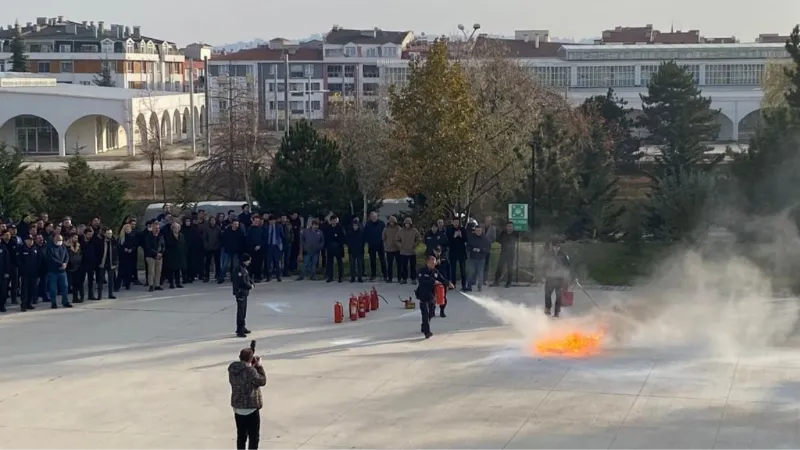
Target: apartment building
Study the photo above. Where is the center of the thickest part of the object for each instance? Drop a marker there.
(353, 59)
(262, 71)
(74, 52)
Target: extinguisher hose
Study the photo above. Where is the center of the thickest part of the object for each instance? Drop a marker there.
(384, 299)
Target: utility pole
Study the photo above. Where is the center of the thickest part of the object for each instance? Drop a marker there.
(193, 128)
(208, 107)
(308, 92)
(275, 96)
(286, 108)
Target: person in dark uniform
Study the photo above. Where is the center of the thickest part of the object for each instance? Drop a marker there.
(30, 259)
(558, 275)
(5, 269)
(427, 278)
(242, 284)
(443, 266)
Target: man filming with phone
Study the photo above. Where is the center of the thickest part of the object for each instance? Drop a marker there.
(246, 377)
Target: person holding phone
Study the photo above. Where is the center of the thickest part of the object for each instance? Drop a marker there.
(246, 377)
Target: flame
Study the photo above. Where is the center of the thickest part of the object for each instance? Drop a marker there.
(569, 344)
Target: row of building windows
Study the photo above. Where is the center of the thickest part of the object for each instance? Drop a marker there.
(655, 53)
(297, 107)
(368, 52)
(148, 48)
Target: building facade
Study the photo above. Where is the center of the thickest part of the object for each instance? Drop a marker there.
(76, 52)
(262, 72)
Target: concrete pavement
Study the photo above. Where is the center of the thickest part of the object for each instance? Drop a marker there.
(149, 371)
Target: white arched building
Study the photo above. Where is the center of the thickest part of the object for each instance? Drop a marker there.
(41, 117)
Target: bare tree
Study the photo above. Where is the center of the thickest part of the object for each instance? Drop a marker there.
(240, 144)
(152, 140)
(776, 82)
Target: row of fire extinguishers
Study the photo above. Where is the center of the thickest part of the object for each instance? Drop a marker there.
(358, 306)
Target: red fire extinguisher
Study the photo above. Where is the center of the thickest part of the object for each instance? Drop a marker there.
(373, 298)
(353, 308)
(366, 301)
(438, 291)
(362, 307)
(338, 312)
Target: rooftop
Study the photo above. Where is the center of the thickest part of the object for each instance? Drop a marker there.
(59, 28)
(651, 47)
(81, 91)
(519, 48)
(270, 54)
(376, 36)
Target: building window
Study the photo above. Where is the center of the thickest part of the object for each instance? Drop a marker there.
(350, 71)
(36, 135)
(316, 105)
(335, 87)
(67, 67)
(44, 67)
(334, 71)
(734, 74)
(350, 51)
(646, 73)
(128, 66)
(89, 48)
(297, 107)
(296, 71)
(371, 72)
(349, 88)
(389, 52)
(129, 47)
(370, 88)
(2, 66)
(315, 87)
(65, 48)
(552, 76)
(309, 70)
(86, 83)
(606, 76)
(372, 53)
(108, 47)
(333, 53)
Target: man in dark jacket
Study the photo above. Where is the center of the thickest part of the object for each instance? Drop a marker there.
(246, 377)
(427, 278)
(477, 247)
(91, 245)
(355, 250)
(30, 260)
(233, 245)
(373, 236)
(56, 259)
(245, 217)
(273, 244)
(5, 269)
(107, 266)
(297, 226)
(255, 242)
(558, 275)
(242, 284)
(334, 248)
(153, 248)
(434, 238)
(457, 244)
(508, 245)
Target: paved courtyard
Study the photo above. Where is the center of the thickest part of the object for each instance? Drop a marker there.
(149, 371)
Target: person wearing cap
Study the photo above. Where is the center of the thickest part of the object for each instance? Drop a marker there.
(242, 284)
(30, 259)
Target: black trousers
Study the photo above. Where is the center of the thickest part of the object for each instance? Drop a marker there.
(30, 290)
(90, 278)
(3, 292)
(331, 255)
(14, 275)
(248, 427)
(194, 264)
(391, 259)
(256, 262)
(357, 265)
(506, 262)
(241, 314)
(550, 285)
(428, 309)
(407, 267)
(127, 270)
(75, 283)
(376, 254)
(104, 276)
(295, 253)
(460, 264)
(210, 255)
(174, 277)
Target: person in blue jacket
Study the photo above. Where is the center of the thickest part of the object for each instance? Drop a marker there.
(56, 260)
(273, 243)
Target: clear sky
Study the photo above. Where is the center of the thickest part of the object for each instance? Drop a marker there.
(224, 21)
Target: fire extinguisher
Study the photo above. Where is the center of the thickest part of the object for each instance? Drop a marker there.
(338, 312)
(366, 301)
(438, 291)
(373, 299)
(362, 307)
(353, 308)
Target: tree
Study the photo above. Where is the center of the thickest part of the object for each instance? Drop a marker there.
(679, 120)
(793, 72)
(13, 198)
(614, 115)
(83, 193)
(185, 191)
(434, 117)
(780, 76)
(364, 137)
(19, 60)
(152, 142)
(679, 201)
(241, 146)
(106, 77)
(306, 176)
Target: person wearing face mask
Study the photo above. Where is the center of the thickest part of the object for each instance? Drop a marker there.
(407, 239)
(355, 251)
(41, 245)
(109, 261)
(56, 260)
(391, 247)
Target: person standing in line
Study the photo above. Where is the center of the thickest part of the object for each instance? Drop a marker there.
(490, 231)
(391, 247)
(255, 242)
(56, 261)
(273, 241)
(334, 249)
(212, 235)
(109, 261)
(175, 256)
(297, 227)
(355, 250)
(154, 255)
(312, 241)
(477, 247)
(233, 245)
(373, 236)
(408, 238)
(457, 244)
(127, 258)
(246, 378)
(508, 245)
(242, 284)
(92, 248)
(30, 260)
(74, 275)
(5, 270)
(288, 243)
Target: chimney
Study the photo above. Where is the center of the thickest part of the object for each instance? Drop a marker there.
(137, 31)
(37, 28)
(10, 27)
(101, 27)
(60, 19)
(127, 32)
(41, 21)
(536, 43)
(29, 25)
(526, 37)
(85, 23)
(91, 24)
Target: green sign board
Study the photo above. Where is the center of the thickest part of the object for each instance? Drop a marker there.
(518, 215)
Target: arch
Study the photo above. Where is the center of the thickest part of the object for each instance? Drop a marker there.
(177, 128)
(748, 125)
(93, 134)
(141, 128)
(154, 127)
(726, 128)
(199, 126)
(186, 121)
(197, 120)
(166, 127)
(31, 134)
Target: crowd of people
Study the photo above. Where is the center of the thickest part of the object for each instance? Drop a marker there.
(43, 260)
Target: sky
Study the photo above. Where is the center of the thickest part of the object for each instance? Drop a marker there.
(218, 22)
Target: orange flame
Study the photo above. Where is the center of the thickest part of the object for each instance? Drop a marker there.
(571, 344)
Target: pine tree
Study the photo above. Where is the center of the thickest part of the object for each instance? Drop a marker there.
(680, 122)
(106, 77)
(13, 198)
(793, 71)
(19, 61)
(614, 114)
(306, 176)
